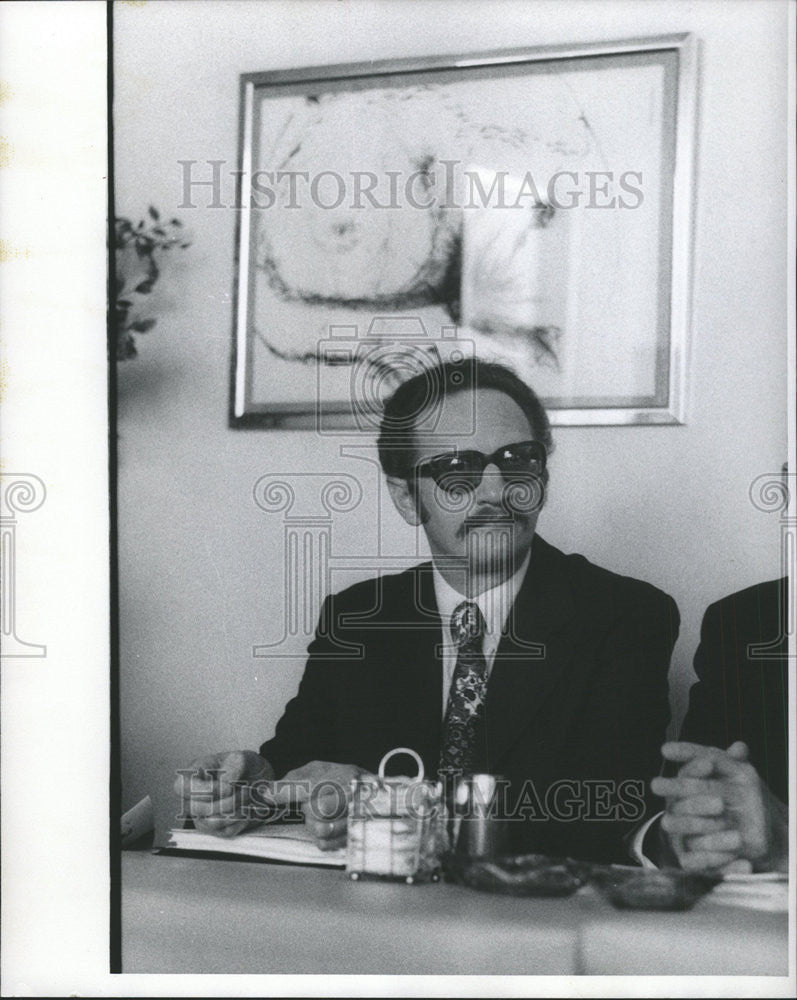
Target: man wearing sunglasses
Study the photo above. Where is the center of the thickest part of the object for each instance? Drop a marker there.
(501, 655)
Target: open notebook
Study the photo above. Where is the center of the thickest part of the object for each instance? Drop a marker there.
(291, 843)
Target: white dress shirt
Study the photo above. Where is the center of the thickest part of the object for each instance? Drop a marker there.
(494, 605)
(638, 840)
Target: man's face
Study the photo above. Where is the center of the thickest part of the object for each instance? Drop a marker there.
(480, 528)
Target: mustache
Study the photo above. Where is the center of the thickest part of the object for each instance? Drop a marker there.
(491, 515)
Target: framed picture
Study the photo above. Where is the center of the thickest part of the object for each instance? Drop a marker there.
(529, 206)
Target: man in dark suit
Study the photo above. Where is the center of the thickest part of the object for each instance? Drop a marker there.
(501, 655)
(727, 806)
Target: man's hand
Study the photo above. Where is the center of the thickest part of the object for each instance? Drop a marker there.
(216, 790)
(719, 813)
(323, 789)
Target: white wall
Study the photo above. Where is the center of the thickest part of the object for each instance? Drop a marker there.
(200, 564)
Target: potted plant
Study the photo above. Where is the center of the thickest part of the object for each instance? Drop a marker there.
(137, 249)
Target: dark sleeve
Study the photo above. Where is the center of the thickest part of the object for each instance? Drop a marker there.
(635, 695)
(738, 696)
(703, 724)
(306, 730)
(626, 724)
(706, 720)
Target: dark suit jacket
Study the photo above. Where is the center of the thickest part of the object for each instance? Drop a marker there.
(577, 693)
(741, 693)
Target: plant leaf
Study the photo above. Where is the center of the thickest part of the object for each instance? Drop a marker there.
(154, 213)
(142, 325)
(125, 347)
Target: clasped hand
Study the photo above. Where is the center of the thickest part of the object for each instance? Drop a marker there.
(719, 814)
(226, 793)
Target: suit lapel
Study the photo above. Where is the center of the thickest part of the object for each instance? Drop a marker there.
(415, 673)
(536, 648)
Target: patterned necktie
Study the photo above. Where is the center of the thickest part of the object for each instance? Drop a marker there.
(463, 724)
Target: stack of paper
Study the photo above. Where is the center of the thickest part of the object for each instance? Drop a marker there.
(292, 843)
(763, 891)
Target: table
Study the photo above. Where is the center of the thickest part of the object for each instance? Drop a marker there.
(184, 915)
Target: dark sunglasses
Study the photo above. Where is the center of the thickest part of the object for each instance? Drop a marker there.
(456, 470)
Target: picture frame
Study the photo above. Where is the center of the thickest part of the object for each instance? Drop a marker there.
(531, 206)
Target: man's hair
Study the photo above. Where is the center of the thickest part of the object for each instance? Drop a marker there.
(417, 399)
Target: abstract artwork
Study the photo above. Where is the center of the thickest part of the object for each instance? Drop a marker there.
(531, 207)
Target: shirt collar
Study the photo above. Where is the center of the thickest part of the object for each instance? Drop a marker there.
(494, 604)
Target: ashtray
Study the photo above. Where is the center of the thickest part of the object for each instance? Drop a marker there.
(517, 874)
(652, 889)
